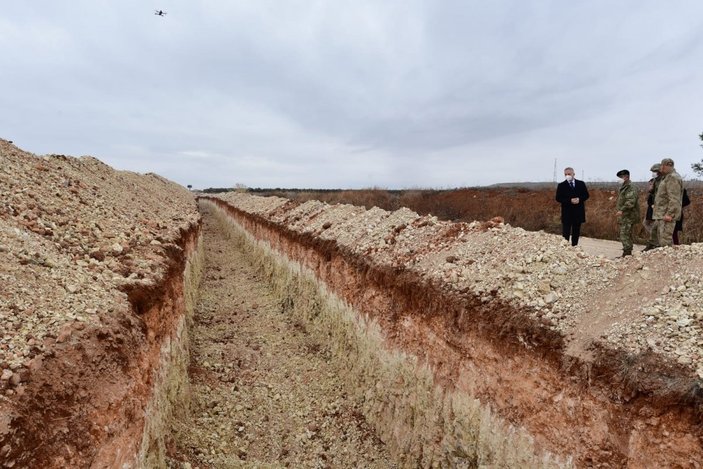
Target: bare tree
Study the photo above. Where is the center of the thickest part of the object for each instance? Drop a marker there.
(698, 167)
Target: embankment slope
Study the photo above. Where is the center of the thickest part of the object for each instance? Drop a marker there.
(97, 271)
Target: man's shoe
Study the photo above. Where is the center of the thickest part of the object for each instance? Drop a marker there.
(649, 247)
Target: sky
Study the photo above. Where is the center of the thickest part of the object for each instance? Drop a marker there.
(359, 93)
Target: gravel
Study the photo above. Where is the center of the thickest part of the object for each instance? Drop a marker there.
(649, 302)
(73, 233)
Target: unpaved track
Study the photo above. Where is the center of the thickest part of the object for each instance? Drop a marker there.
(607, 248)
(264, 393)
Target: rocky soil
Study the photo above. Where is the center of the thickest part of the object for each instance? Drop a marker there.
(74, 236)
(265, 392)
(79, 242)
(647, 303)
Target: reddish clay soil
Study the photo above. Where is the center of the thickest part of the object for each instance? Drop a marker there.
(91, 284)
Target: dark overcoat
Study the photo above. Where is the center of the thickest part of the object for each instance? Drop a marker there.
(685, 202)
(571, 213)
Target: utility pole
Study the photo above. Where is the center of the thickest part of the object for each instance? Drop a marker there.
(554, 177)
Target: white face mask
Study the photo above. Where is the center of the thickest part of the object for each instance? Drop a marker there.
(655, 175)
(569, 177)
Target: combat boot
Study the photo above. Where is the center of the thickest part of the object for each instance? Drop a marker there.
(649, 247)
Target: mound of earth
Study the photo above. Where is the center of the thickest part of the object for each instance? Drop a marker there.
(648, 303)
(83, 251)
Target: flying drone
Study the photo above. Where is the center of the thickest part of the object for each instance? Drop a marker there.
(160, 13)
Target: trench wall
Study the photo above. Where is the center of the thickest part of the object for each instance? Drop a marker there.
(167, 312)
(171, 394)
(105, 396)
(423, 423)
(99, 270)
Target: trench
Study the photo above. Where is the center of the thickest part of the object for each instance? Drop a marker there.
(428, 386)
(264, 348)
(265, 390)
(284, 372)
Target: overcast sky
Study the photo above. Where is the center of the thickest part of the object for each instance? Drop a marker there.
(393, 94)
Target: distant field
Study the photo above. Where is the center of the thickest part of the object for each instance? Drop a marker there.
(530, 206)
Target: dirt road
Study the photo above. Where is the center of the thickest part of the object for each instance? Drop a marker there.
(264, 394)
(609, 249)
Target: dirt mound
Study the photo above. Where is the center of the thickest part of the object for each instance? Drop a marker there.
(82, 249)
(654, 300)
(529, 206)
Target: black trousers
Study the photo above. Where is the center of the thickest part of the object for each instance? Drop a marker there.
(571, 230)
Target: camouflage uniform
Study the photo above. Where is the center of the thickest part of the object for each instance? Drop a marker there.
(628, 203)
(668, 202)
(653, 241)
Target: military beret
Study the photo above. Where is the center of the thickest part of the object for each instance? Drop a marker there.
(623, 172)
(656, 167)
(667, 162)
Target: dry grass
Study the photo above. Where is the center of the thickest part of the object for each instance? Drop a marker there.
(533, 209)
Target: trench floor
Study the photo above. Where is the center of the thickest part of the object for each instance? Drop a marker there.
(264, 393)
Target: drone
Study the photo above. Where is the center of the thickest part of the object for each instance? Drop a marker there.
(160, 13)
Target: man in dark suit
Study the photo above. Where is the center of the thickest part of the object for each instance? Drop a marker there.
(572, 194)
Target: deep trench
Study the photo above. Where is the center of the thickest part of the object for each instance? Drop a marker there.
(441, 393)
(390, 407)
(264, 390)
(295, 353)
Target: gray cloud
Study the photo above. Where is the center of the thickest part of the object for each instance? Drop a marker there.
(354, 94)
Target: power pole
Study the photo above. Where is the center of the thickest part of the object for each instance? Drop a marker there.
(554, 178)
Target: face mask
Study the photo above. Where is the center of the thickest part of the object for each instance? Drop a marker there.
(569, 177)
(655, 175)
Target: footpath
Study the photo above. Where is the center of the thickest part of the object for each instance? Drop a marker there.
(609, 249)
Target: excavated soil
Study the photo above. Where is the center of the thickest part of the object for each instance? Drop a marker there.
(265, 392)
(97, 272)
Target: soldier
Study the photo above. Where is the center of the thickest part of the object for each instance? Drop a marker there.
(667, 203)
(628, 210)
(653, 241)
